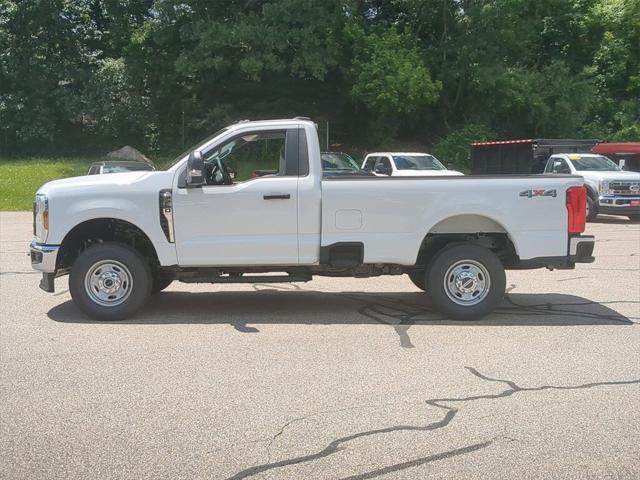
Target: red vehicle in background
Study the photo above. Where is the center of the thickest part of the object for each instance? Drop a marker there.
(629, 152)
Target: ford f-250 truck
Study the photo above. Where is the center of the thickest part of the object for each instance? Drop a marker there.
(124, 236)
(610, 189)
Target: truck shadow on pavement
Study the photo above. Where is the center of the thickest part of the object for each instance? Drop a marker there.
(246, 310)
(612, 220)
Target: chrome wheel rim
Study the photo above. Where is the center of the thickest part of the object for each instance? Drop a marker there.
(467, 283)
(108, 283)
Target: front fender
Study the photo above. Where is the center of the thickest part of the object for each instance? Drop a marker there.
(138, 213)
(592, 189)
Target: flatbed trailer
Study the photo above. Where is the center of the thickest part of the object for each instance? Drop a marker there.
(521, 156)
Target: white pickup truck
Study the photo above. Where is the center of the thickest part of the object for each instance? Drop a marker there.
(610, 189)
(398, 164)
(124, 236)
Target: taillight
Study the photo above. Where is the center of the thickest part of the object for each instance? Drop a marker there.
(577, 208)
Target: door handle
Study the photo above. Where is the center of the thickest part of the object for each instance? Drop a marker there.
(276, 196)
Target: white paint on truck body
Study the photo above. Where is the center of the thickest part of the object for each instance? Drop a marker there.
(234, 225)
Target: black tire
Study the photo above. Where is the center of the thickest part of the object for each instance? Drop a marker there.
(592, 209)
(493, 276)
(418, 279)
(635, 217)
(160, 282)
(116, 257)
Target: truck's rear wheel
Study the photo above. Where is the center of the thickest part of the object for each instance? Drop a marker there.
(110, 281)
(418, 279)
(466, 282)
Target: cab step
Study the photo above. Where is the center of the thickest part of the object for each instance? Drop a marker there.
(241, 278)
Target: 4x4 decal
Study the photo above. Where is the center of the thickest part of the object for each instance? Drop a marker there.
(539, 193)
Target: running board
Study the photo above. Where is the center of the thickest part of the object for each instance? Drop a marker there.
(299, 277)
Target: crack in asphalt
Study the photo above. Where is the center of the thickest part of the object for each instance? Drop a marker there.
(570, 279)
(311, 415)
(336, 445)
(420, 461)
(440, 403)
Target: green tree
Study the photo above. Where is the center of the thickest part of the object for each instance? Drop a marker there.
(389, 78)
(455, 147)
(44, 60)
(616, 68)
(84, 74)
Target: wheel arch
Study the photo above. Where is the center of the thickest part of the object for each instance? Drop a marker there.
(478, 229)
(592, 191)
(102, 229)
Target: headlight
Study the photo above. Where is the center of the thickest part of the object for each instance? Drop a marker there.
(604, 187)
(41, 217)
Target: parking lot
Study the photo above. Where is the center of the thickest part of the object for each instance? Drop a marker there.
(335, 378)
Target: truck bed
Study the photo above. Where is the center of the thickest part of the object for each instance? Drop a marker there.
(401, 211)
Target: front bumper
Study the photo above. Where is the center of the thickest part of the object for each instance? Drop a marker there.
(43, 259)
(619, 205)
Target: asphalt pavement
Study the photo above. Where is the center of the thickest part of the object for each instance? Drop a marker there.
(331, 379)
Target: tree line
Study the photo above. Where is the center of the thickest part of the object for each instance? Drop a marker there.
(80, 76)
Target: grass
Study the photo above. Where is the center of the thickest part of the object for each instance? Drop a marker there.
(20, 178)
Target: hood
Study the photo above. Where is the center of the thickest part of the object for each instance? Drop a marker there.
(426, 173)
(609, 175)
(90, 182)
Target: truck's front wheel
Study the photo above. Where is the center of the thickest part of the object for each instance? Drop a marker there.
(110, 281)
(466, 282)
(418, 278)
(160, 282)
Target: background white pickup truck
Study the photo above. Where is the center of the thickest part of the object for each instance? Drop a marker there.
(125, 235)
(610, 189)
(398, 164)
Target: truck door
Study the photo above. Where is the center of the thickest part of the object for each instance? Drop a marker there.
(253, 220)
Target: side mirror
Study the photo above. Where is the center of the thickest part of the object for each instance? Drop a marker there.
(449, 166)
(622, 163)
(195, 170)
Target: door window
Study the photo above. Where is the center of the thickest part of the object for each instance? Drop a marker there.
(559, 165)
(549, 166)
(383, 166)
(370, 164)
(248, 156)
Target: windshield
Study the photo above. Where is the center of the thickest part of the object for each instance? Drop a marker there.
(594, 163)
(196, 147)
(339, 162)
(417, 162)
